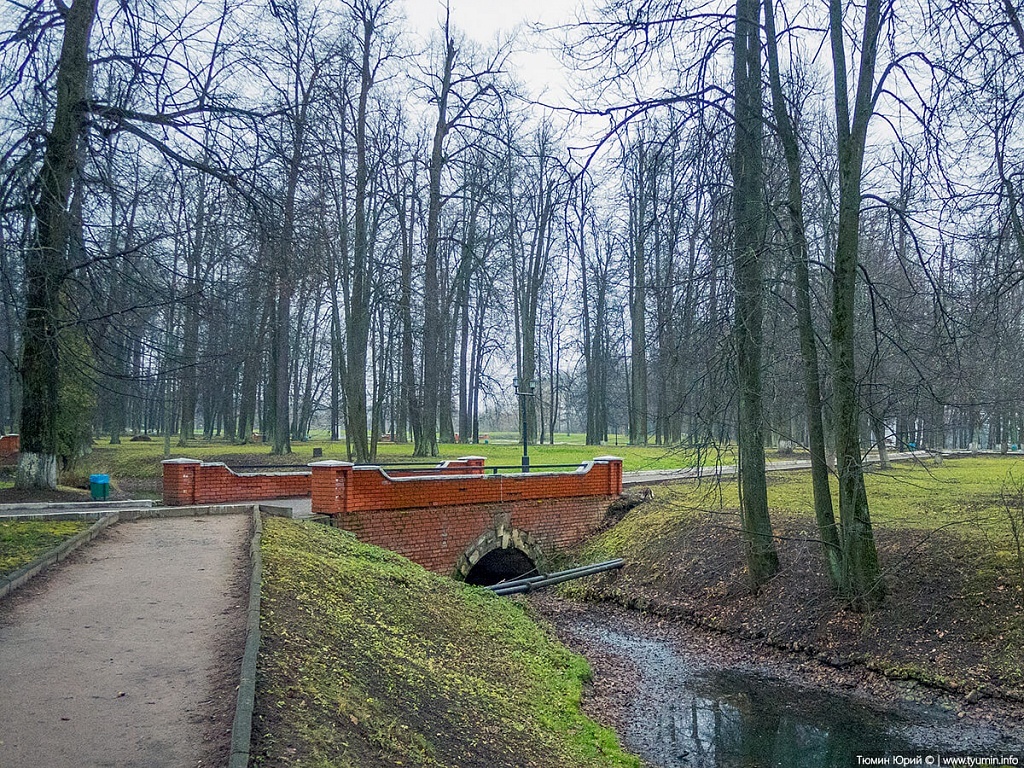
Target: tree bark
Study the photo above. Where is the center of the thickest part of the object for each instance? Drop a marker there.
(823, 510)
(426, 440)
(863, 585)
(638, 297)
(46, 258)
(748, 248)
(357, 319)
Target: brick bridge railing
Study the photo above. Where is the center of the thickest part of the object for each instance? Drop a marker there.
(448, 519)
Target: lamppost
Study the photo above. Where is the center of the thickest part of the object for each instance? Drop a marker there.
(522, 395)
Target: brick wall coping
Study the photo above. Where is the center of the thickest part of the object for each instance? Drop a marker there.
(582, 469)
(229, 469)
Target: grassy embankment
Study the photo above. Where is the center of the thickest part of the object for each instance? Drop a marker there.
(369, 660)
(953, 617)
(21, 541)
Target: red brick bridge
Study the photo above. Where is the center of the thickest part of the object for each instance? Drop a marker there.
(454, 519)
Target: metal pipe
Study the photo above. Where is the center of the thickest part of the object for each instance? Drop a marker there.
(515, 588)
(542, 576)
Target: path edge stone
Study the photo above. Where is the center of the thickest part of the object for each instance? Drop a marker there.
(241, 727)
(19, 577)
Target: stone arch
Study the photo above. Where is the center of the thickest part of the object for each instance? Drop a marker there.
(501, 546)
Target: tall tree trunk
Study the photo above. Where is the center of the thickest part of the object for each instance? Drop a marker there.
(593, 435)
(426, 440)
(863, 585)
(823, 510)
(638, 300)
(465, 419)
(46, 258)
(282, 347)
(357, 320)
(332, 279)
(411, 411)
(748, 251)
(190, 338)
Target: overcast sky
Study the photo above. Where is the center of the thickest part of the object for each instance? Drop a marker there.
(484, 20)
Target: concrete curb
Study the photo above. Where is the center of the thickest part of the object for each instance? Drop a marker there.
(57, 516)
(241, 728)
(73, 507)
(13, 580)
(200, 510)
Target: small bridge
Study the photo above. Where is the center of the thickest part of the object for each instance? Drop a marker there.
(454, 518)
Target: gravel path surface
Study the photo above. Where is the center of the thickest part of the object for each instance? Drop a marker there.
(128, 653)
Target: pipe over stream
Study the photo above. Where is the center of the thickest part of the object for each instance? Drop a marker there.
(518, 586)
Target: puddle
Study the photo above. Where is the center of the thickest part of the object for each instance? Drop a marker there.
(687, 713)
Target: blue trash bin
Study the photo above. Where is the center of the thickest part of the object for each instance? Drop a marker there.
(99, 486)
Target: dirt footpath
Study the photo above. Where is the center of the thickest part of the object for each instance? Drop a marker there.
(128, 653)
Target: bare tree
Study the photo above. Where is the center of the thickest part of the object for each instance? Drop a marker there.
(748, 252)
(46, 258)
(456, 89)
(800, 259)
(862, 582)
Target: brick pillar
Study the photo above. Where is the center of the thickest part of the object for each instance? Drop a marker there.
(329, 483)
(180, 476)
(614, 473)
(474, 464)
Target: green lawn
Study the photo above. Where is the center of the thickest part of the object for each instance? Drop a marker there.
(368, 660)
(960, 495)
(142, 459)
(21, 541)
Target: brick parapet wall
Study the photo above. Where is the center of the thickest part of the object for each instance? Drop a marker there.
(190, 481)
(341, 488)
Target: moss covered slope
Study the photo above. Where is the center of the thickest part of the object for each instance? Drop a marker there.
(369, 660)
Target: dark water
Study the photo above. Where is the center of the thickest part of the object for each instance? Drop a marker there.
(688, 713)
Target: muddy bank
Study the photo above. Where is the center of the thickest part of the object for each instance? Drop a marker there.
(953, 617)
(682, 696)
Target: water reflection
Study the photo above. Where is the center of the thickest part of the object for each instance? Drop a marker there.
(689, 717)
(741, 721)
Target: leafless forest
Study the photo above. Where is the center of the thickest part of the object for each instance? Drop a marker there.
(765, 222)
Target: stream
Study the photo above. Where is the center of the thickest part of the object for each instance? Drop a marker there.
(678, 703)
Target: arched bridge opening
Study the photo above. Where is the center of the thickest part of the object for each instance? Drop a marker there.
(501, 565)
(500, 554)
